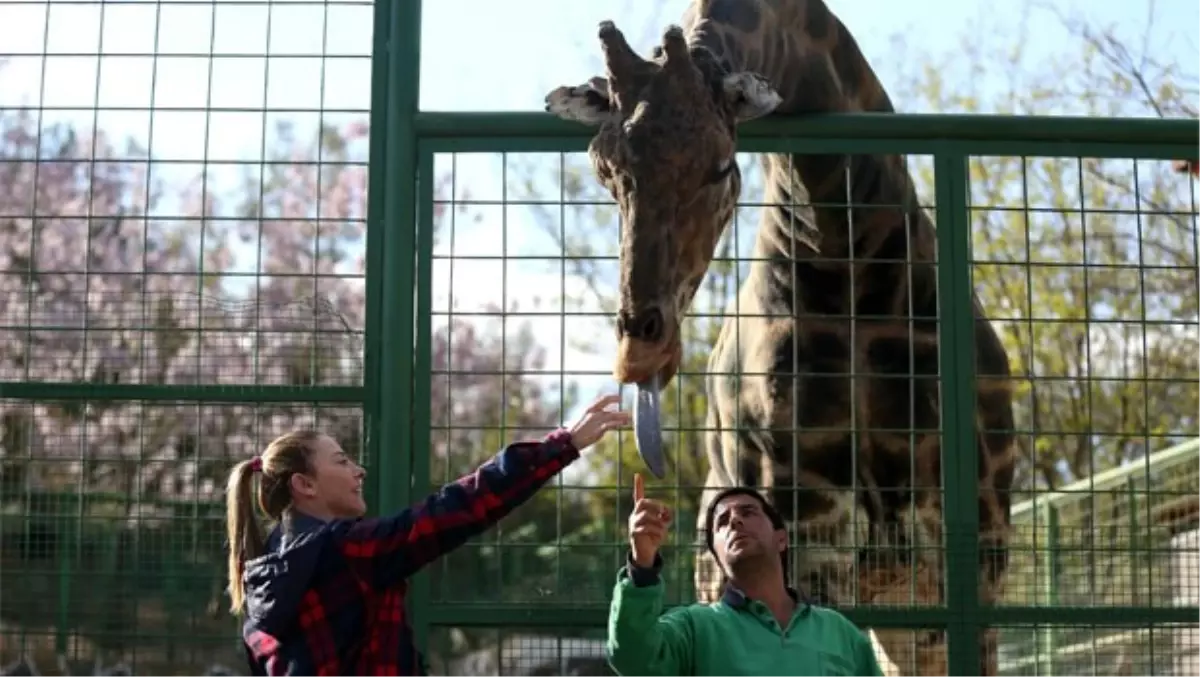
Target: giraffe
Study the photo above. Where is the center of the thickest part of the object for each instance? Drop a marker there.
(847, 286)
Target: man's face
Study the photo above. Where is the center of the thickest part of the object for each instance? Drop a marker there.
(743, 533)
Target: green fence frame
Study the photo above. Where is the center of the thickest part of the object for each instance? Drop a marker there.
(406, 157)
(395, 396)
(951, 140)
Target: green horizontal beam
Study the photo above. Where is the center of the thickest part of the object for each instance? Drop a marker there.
(1053, 129)
(181, 393)
(596, 616)
(837, 145)
(1088, 615)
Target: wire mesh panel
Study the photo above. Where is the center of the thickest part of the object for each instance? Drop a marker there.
(524, 289)
(183, 197)
(532, 266)
(569, 232)
(1155, 649)
(113, 531)
(517, 651)
(1089, 265)
(182, 225)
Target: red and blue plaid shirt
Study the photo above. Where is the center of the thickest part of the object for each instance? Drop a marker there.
(328, 598)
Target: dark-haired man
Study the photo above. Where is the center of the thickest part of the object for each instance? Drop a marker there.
(760, 626)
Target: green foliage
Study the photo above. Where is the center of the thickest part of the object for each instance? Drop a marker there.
(1086, 266)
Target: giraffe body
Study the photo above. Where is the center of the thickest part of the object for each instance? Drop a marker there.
(823, 390)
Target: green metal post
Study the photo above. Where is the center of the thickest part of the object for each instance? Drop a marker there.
(397, 423)
(1138, 553)
(956, 331)
(399, 202)
(1054, 554)
(422, 376)
(376, 223)
(963, 616)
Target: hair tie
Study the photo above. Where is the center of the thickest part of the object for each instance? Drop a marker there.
(256, 464)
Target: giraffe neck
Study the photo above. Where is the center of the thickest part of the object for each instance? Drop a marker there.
(814, 63)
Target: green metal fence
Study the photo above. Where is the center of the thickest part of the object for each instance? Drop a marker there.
(1141, 519)
(130, 384)
(1104, 609)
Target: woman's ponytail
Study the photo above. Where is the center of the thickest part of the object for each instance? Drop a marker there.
(242, 528)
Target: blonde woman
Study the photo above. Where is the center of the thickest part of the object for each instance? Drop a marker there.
(323, 592)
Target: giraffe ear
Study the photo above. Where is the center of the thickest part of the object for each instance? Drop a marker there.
(588, 103)
(750, 95)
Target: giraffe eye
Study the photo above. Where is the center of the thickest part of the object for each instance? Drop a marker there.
(723, 171)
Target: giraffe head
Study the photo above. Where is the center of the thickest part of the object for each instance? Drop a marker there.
(666, 132)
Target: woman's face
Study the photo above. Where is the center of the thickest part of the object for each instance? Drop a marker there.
(336, 482)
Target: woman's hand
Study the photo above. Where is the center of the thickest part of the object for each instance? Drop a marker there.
(597, 420)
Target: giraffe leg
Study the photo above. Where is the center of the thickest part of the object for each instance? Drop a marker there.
(905, 572)
(823, 548)
(923, 652)
(994, 538)
(913, 652)
(823, 559)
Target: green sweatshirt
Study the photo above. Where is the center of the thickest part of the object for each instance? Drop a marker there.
(736, 636)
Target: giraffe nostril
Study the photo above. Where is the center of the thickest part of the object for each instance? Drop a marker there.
(649, 325)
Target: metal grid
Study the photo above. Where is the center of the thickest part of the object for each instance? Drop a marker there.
(1123, 260)
(135, 368)
(182, 234)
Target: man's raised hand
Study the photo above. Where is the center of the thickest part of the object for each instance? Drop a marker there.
(647, 525)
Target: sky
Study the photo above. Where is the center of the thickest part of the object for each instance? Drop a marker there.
(477, 55)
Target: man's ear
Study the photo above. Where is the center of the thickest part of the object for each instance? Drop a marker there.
(781, 539)
(588, 103)
(750, 95)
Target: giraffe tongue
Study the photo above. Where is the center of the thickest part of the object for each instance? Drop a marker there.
(647, 427)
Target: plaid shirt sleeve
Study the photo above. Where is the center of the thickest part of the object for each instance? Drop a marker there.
(389, 549)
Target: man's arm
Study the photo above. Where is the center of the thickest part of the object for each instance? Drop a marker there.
(390, 549)
(641, 640)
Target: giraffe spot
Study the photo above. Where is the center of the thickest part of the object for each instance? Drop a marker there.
(744, 16)
(826, 461)
(816, 21)
(828, 353)
(748, 472)
(899, 355)
(851, 68)
(903, 386)
(801, 503)
(822, 290)
(733, 51)
(881, 287)
(822, 412)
